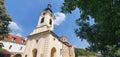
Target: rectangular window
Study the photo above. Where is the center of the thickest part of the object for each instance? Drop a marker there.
(21, 48)
(10, 46)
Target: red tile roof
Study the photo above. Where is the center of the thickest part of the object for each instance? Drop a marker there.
(63, 39)
(18, 39)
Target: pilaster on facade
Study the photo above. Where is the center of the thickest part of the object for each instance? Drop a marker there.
(46, 47)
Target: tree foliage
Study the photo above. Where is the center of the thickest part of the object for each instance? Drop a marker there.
(4, 20)
(105, 32)
(83, 52)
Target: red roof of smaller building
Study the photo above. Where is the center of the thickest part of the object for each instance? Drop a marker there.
(66, 43)
(15, 38)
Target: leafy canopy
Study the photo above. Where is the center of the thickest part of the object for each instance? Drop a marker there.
(83, 52)
(106, 29)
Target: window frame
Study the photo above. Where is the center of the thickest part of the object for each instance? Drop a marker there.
(10, 46)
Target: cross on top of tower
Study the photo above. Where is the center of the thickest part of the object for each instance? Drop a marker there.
(49, 6)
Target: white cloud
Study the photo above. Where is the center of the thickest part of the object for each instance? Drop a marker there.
(18, 34)
(15, 29)
(14, 26)
(60, 17)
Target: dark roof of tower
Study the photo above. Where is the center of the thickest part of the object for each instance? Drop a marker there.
(49, 8)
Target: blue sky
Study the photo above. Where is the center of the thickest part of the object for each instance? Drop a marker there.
(25, 14)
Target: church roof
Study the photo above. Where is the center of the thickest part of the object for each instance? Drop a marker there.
(64, 41)
(49, 8)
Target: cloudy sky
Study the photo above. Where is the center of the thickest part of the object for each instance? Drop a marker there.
(25, 15)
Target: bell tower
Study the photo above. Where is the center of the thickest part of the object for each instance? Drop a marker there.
(46, 21)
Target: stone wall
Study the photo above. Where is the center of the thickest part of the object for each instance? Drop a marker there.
(68, 51)
(65, 51)
(72, 51)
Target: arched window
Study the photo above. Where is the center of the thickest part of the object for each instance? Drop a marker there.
(18, 55)
(53, 52)
(25, 55)
(50, 22)
(34, 52)
(42, 20)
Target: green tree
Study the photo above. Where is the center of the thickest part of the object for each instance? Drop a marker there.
(105, 32)
(4, 20)
(83, 52)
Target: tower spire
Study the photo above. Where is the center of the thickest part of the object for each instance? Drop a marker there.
(49, 5)
(46, 21)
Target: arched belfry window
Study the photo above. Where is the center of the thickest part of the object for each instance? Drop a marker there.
(50, 22)
(42, 20)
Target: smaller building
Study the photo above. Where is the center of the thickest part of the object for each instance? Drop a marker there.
(15, 45)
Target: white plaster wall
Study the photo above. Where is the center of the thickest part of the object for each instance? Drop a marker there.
(65, 51)
(44, 46)
(56, 44)
(31, 44)
(40, 46)
(15, 46)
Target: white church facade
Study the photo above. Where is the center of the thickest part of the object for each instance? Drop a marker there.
(43, 42)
